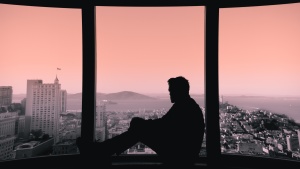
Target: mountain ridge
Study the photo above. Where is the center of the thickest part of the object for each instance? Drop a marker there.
(123, 95)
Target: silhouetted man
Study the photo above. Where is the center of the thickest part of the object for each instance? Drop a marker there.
(176, 137)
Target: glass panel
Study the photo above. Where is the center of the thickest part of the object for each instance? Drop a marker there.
(259, 81)
(41, 65)
(138, 50)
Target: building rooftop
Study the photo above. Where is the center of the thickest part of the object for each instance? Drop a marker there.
(30, 144)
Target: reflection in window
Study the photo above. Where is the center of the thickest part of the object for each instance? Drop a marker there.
(259, 84)
(138, 50)
(41, 56)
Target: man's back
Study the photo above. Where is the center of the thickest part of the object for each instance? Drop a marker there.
(181, 129)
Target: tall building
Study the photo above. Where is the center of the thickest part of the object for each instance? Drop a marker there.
(292, 142)
(100, 122)
(63, 97)
(43, 106)
(5, 95)
(7, 134)
(221, 100)
(23, 103)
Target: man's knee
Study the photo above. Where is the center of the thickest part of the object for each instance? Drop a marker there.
(136, 124)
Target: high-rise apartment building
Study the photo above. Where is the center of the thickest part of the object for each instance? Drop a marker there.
(5, 95)
(100, 109)
(100, 122)
(23, 103)
(63, 97)
(43, 106)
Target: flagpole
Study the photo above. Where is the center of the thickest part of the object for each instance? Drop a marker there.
(57, 70)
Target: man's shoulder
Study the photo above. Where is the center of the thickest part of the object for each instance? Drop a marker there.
(189, 103)
(192, 101)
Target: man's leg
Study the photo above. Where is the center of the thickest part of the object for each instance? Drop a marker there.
(119, 143)
(138, 131)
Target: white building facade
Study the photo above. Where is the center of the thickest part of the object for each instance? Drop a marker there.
(100, 122)
(43, 106)
(63, 97)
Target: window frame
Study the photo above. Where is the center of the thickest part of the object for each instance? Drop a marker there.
(212, 7)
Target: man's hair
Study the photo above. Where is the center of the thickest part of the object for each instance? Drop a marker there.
(180, 83)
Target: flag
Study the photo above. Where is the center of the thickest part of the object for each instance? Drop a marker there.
(58, 69)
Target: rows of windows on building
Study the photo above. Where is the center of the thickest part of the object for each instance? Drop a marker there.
(32, 127)
(41, 124)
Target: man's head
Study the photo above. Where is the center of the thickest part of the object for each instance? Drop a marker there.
(179, 88)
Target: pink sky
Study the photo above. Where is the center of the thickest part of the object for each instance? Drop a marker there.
(259, 50)
(140, 48)
(35, 41)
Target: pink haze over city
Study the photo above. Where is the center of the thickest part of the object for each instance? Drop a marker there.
(139, 49)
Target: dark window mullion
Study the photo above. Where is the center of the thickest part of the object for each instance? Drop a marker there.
(212, 85)
(89, 73)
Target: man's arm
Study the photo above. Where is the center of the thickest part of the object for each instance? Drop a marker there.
(138, 123)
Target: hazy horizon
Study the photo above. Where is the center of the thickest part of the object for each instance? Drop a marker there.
(167, 94)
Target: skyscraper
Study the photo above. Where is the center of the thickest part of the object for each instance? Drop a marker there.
(43, 106)
(63, 97)
(5, 95)
(100, 122)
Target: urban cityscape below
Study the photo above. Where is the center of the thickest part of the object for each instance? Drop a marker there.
(44, 122)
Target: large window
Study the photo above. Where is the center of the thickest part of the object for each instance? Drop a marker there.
(259, 81)
(138, 50)
(47, 56)
(41, 79)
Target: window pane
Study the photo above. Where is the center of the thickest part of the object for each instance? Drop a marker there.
(41, 65)
(138, 50)
(259, 81)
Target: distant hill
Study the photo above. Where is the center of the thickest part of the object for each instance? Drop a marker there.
(79, 96)
(124, 95)
(74, 96)
(127, 95)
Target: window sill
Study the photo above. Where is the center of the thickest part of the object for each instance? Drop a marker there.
(147, 161)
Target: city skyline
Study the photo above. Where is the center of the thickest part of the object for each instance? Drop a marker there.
(266, 37)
